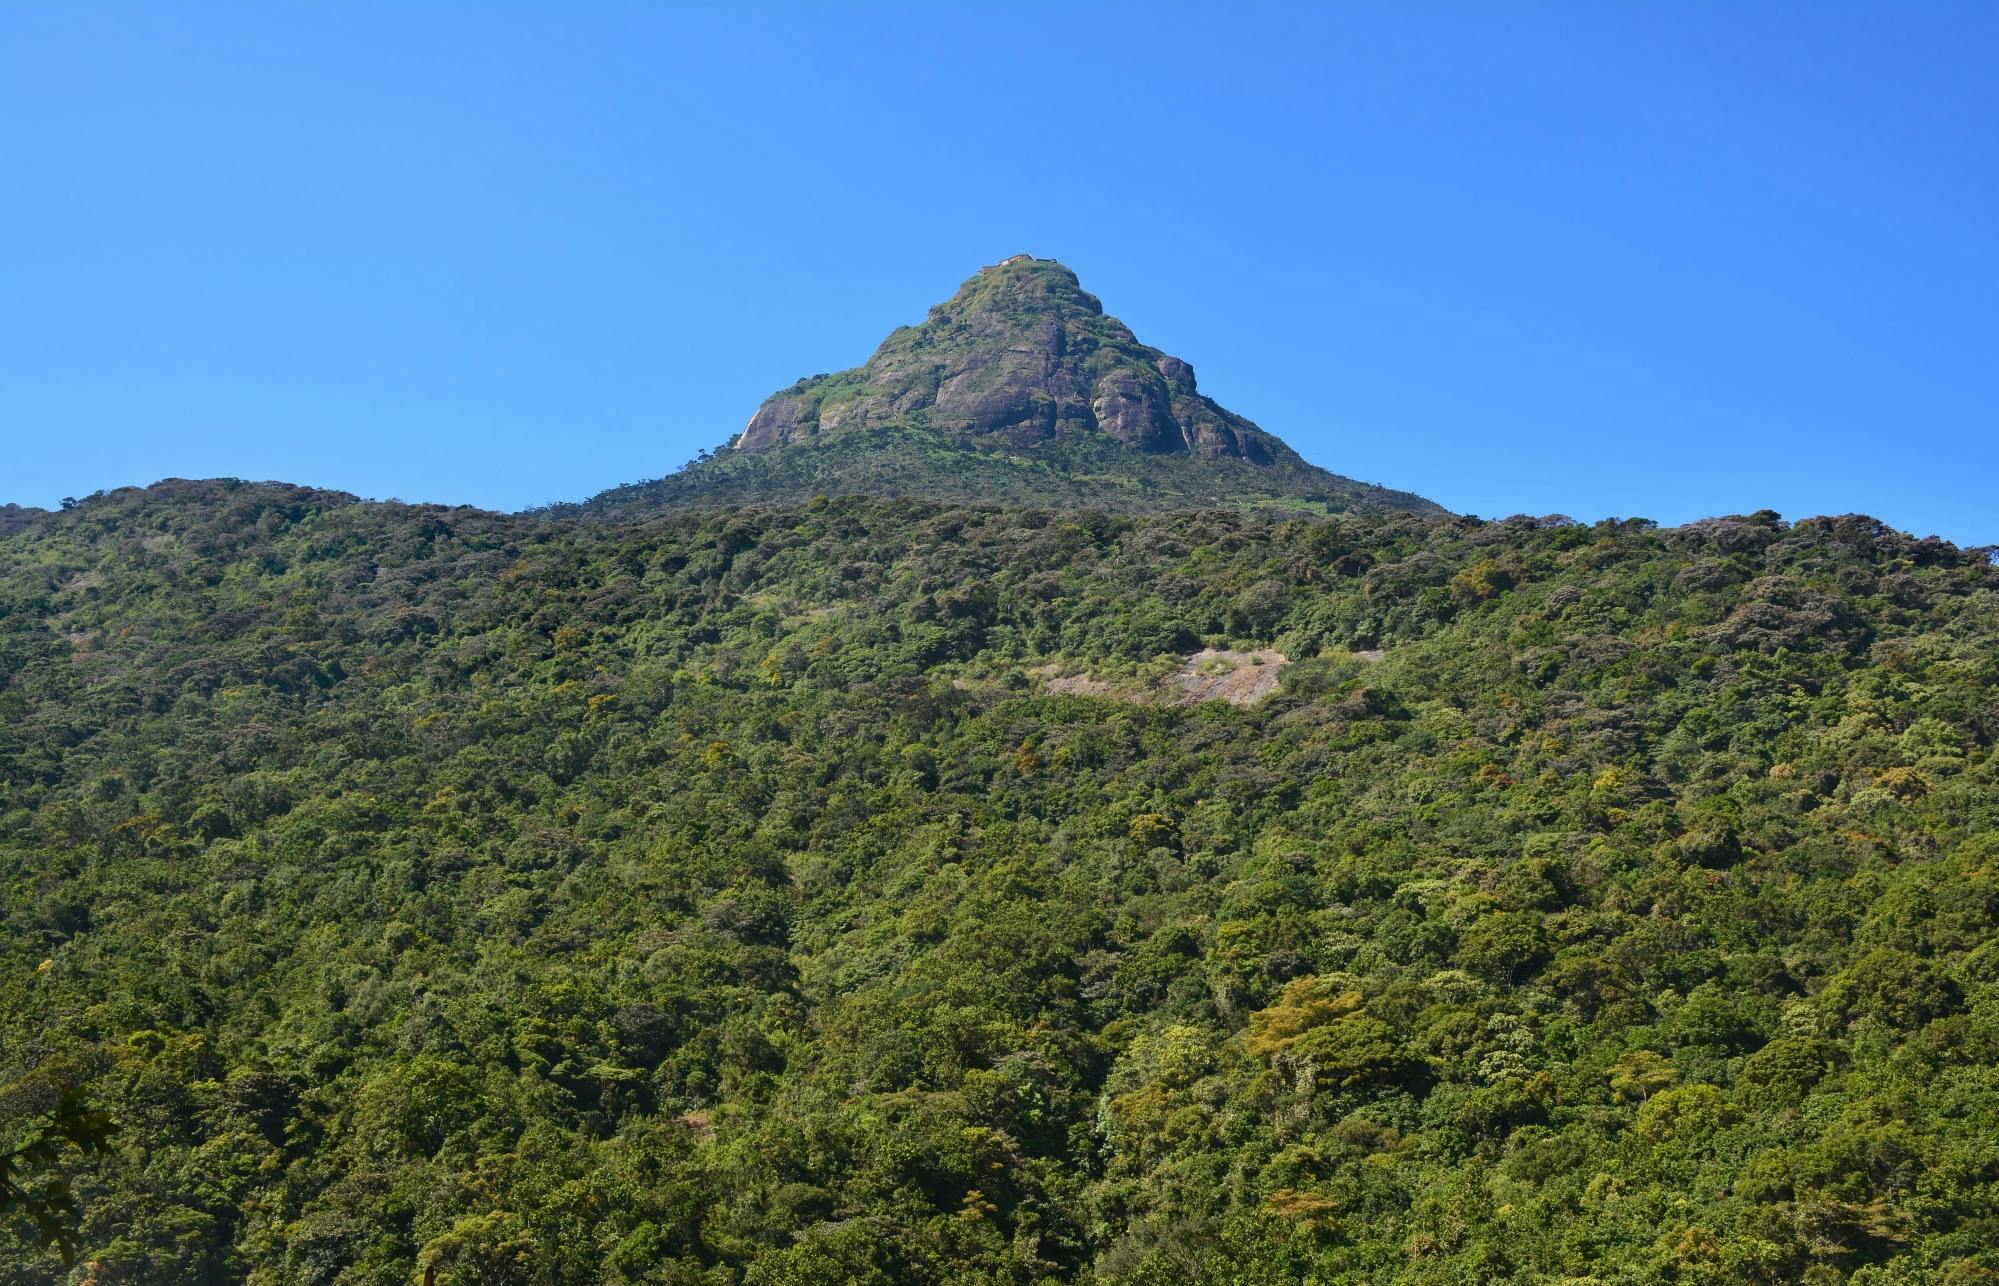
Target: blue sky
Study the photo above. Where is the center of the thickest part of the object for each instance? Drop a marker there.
(1605, 260)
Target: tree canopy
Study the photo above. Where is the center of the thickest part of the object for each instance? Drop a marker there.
(730, 898)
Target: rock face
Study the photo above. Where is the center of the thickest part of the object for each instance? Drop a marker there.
(1021, 354)
(1211, 674)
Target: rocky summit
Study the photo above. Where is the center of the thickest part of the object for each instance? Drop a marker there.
(1021, 354)
(1019, 389)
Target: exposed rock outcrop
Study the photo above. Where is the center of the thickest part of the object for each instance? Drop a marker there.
(1211, 674)
(1021, 354)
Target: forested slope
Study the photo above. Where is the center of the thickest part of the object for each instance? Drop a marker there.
(895, 461)
(719, 899)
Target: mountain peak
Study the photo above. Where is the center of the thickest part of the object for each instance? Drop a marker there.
(1021, 284)
(1019, 388)
(1021, 354)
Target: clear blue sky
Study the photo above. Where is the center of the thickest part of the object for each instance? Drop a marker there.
(1664, 261)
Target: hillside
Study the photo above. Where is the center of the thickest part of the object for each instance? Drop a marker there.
(736, 897)
(1018, 389)
(14, 517)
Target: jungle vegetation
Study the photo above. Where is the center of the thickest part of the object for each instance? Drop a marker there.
(720, 898)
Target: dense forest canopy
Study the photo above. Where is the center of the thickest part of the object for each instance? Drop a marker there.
(727, 897)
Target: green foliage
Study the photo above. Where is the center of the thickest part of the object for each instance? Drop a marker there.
(47, 1204)
(909, 460)
(724, 898)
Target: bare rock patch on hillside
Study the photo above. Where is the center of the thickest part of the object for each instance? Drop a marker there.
(1224, 674)
(1211, 674)
(1072, 685)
